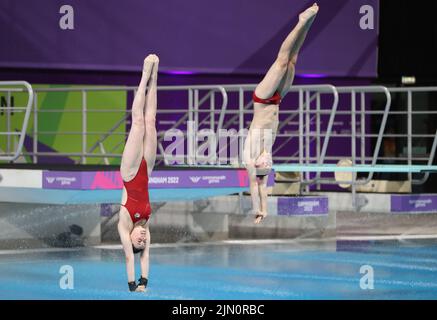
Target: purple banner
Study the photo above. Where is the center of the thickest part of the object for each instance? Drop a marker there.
(160, 179)
(196, 179)
(61, 180)
(224, 36)
(304, 206)
(414, 204)
(82, 180)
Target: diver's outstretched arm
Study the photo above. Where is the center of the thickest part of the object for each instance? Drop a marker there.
(263, 196)
(144, 262)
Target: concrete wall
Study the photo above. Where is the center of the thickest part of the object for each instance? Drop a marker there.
(223, 218)
(35, 225)
(373, 217)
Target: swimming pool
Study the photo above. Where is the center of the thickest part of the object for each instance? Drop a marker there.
(232, 270)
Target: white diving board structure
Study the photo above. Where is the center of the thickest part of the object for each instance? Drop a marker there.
(332, 168)
(355, 168)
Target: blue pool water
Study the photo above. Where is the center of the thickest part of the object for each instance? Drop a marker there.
(230, 271)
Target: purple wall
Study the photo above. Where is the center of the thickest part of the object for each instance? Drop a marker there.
(225, 36)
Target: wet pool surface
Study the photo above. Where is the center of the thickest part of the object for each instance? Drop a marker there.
(231, 271)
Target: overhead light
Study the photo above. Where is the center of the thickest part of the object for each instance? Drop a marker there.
(408, 80)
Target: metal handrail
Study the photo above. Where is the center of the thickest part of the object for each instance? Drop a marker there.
(204, 113)
(22, 133)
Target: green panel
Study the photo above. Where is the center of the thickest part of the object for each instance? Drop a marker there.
(104, 121)
(60, 120)
(49, 118)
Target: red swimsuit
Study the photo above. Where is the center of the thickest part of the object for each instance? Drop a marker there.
(276, 99)
(138, 204)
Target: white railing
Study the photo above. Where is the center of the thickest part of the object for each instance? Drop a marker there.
(305, 134)
(8, 88)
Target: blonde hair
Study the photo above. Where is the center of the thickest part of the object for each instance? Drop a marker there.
(141, 223)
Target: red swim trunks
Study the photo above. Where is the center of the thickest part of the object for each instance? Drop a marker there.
(276, 99)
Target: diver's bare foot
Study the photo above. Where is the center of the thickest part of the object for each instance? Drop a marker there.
(149, 62)
(152, 58)
(260, 216)
(309, 14)
(140, 289)
(155, 60)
